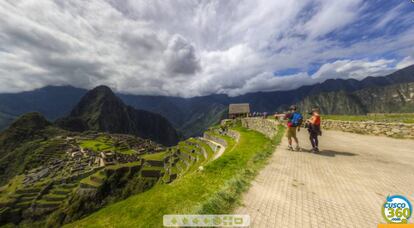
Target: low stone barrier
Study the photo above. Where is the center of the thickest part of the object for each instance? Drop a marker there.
(233, 134)
(267, 127)
(398, 130)
(215, 139)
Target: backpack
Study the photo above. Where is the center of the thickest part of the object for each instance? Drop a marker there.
(296, 119)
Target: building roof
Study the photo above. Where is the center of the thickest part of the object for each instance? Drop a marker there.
(239, 108)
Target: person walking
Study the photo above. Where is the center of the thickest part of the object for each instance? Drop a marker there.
(294, 123)
(314, 129)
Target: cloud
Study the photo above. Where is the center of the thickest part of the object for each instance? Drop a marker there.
(181, 57)
(341, 69)
(355, 69)
(332, 15)
(407, 61)
(190, 48)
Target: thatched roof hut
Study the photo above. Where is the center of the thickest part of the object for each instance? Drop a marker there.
(239, 110)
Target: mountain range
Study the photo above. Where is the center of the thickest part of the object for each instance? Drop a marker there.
(191, 116)
(31, 139)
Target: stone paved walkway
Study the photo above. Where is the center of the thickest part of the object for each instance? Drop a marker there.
(344, 186)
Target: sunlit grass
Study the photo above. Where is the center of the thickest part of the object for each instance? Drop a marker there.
(216, 189)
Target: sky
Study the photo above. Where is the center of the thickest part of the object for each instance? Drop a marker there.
(192, 48)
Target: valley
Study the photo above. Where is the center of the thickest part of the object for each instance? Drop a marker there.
(89, 170)
(214, 113)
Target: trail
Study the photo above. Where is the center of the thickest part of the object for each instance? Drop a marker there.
(217, 154)
(343, 186)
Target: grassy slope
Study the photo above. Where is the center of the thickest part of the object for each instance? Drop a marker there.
(103, 143)
(401, 118)
(214, 190)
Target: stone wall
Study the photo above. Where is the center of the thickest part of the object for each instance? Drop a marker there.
(215, 139)
(399, 130)
(233, 134)
(267, 127)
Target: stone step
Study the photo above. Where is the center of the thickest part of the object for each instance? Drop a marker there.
(54, 197)
(47, 204)
(23, 205)
(29, 194)
(60, 191)
(67, 186)
(28, 190)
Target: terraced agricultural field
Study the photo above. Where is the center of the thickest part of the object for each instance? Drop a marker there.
(103, 143)
(213, 190)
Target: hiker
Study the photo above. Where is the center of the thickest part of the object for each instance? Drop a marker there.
(294, 122)
(314, 128)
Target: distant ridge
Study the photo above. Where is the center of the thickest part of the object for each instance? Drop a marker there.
(193, 115)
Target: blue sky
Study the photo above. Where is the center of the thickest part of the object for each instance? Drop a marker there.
(191, 47)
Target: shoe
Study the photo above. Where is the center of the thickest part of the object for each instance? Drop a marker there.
(298, 148)
(290, 148)
(315, 150)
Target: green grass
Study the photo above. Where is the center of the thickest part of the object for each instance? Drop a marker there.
(96, 145)
(120, 165)
(214, 190)
(103, 144)
(400, 118)
(7, 190)
(90, 182)
(155, 156)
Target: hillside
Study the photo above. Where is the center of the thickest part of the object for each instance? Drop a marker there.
(386, 99)
(43, 165)
(61, 177)
(101, 110)
(20, 147)
(193, 115)
(214, 190)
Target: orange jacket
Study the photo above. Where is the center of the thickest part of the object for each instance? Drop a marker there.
(315, 119)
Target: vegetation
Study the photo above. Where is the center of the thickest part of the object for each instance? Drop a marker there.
(29, 142)
(391, 117)
(103, 143)
(10, 188)
(216, 189)
(101, 110)
(155, 156)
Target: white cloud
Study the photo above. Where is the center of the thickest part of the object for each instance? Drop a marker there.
(189, 48)
(407, 61)
(181, 57)
(332, 15)
(341, 69)
(355, 69)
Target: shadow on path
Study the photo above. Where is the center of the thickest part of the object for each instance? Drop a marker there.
(330, 153)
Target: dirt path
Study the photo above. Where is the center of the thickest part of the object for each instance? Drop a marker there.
(218, 153)
(343, 186)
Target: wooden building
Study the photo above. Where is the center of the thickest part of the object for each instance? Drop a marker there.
(239, 110)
